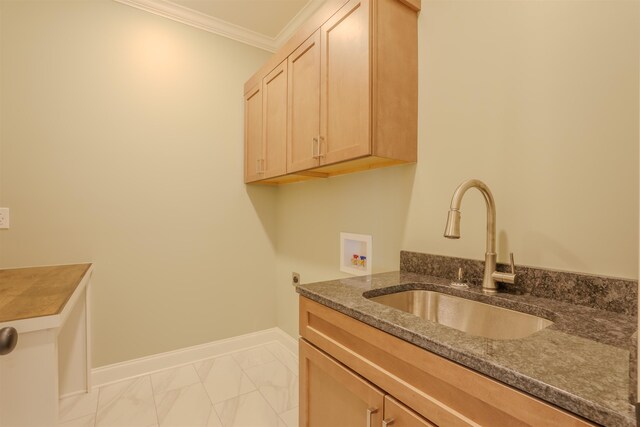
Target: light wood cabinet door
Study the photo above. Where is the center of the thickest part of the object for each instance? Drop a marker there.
(253, 152)
(274, 121)
(345, 84)
(304, 106)
(351, 74)
(331, 395)
(398, 415)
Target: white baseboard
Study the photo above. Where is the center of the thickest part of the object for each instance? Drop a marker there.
(158, 362)
(287, 340)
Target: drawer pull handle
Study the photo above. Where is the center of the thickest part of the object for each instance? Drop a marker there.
(370, 412)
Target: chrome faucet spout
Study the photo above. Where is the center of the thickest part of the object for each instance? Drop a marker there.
(452, 231)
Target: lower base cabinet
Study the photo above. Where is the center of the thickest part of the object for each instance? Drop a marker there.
(333, 395)
(354, 375)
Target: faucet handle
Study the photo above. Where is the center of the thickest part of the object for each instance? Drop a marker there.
(506, 277)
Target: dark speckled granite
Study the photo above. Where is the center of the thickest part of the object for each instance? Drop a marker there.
(633, 369)
(603, 293)
(580, 363)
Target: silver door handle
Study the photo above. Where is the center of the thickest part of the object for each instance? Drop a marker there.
(370, 411)
(8, 340)
(315, 147)
(320, 139)
(387, 422)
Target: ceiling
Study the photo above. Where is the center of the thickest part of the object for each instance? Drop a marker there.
(267, 17)
(266, 24)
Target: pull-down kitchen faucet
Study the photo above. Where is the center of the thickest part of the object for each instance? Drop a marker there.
(452, 231)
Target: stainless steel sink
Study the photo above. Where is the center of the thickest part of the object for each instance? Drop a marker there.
(472, 317)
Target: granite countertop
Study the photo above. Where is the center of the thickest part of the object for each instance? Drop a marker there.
(579, 363)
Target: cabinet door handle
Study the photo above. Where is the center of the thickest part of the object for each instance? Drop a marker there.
(263, 166)
(320, 139)
(370, 411)
(315, 147)
(387, 422)
(8, 340)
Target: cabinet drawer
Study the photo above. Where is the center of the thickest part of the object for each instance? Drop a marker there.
(398, 415)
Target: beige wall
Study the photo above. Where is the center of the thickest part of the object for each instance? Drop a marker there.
(537, 99)
(121, 142)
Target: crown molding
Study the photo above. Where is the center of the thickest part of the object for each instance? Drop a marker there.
(295, 23)
(170, 10)
(196, 19)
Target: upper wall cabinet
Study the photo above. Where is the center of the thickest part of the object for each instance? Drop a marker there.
(265, 115)
(345, 110)
(253, 134)
(303, 138)
(274, 122)
(339, 97)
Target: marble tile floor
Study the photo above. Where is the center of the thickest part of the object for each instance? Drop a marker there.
(256, 387)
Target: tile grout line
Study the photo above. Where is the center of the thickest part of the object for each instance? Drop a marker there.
(283, 420)
(231, 398)
(213, 408)
(179, 390)
(282, 361)
(155, 403)
(254, 348)
(120, 395)
(201, 383)
(260, 391)
(214, 414)
(155, 371)
(95, 418)
(68, 420)
(254, 385)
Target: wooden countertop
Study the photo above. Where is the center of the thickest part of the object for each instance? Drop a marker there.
(37, 291)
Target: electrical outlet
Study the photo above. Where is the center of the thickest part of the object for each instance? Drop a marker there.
(295, 278)
(4, 218)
